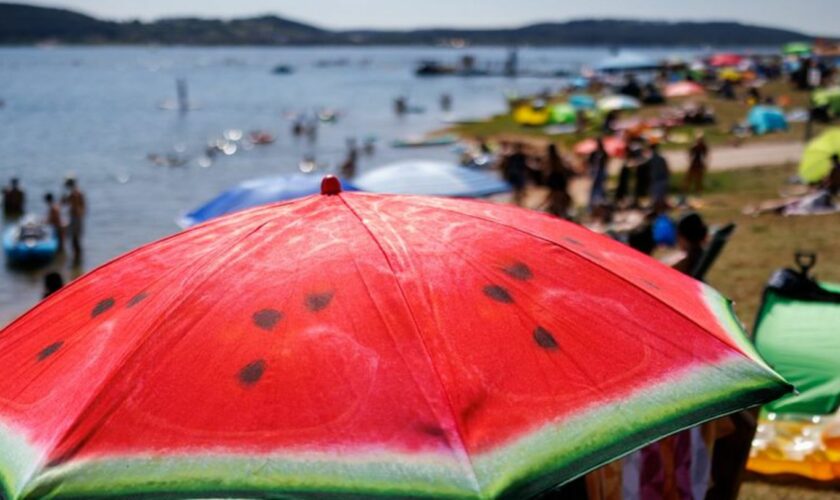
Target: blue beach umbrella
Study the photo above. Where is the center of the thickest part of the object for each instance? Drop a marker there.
(432, 178)
(579, 82)
(256, 192)
(766, 119)
(582, 101)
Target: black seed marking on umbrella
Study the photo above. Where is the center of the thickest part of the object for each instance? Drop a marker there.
(475, 407)
(267, 318)
(519, 271)
(140, 297)
(498, 294)
(318, 301)
(102, 306)
(572, 241)
(545, 339)
(251, 373)
(432, 430)
(49, 350)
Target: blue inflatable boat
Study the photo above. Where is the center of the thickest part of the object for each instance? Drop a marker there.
(30, 243)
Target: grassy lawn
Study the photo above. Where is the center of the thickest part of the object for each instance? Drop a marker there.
(728, 114)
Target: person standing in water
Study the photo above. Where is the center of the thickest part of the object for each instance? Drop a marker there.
(74, 199)
(54, 219)
(14, 199)
(697, 155)
(348, 168)
(53, 282)
(400, 106)
(446, 102)
(183, 95)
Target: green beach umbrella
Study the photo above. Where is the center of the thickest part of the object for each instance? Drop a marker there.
(829, 97)
(797, 49)
(816, 160)
(563, 113)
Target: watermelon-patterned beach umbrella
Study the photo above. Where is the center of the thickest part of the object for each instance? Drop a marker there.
(369, 345)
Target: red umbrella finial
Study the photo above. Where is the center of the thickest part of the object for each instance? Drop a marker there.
(330, 185)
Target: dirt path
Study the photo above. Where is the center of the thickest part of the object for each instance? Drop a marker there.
(753, 155)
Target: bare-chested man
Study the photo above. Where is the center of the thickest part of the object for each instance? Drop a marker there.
(54, 219)
(75, 201)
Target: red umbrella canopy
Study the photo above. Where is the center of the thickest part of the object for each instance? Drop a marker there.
(615, 146)
(684, 89)
(363, 344)
(725, 59)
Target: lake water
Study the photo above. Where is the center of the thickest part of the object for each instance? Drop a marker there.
(95, 112)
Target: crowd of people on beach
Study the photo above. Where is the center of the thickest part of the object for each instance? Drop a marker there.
(644, 186)
(645, 174)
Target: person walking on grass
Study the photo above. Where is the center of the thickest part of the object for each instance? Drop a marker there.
(697, 164)
(597, 165)
(660, 177)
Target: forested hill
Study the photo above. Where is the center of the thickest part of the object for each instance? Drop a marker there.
(26, 24)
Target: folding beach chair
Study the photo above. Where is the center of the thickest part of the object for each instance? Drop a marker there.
(719, 239)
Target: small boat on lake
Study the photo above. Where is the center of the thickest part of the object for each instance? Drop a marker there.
(30, 243)
(424, 142)
(283, 69)
(261, 138)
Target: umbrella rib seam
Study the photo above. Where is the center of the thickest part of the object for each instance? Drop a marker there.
(422, 341)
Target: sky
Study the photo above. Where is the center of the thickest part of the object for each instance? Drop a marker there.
(818, 17)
